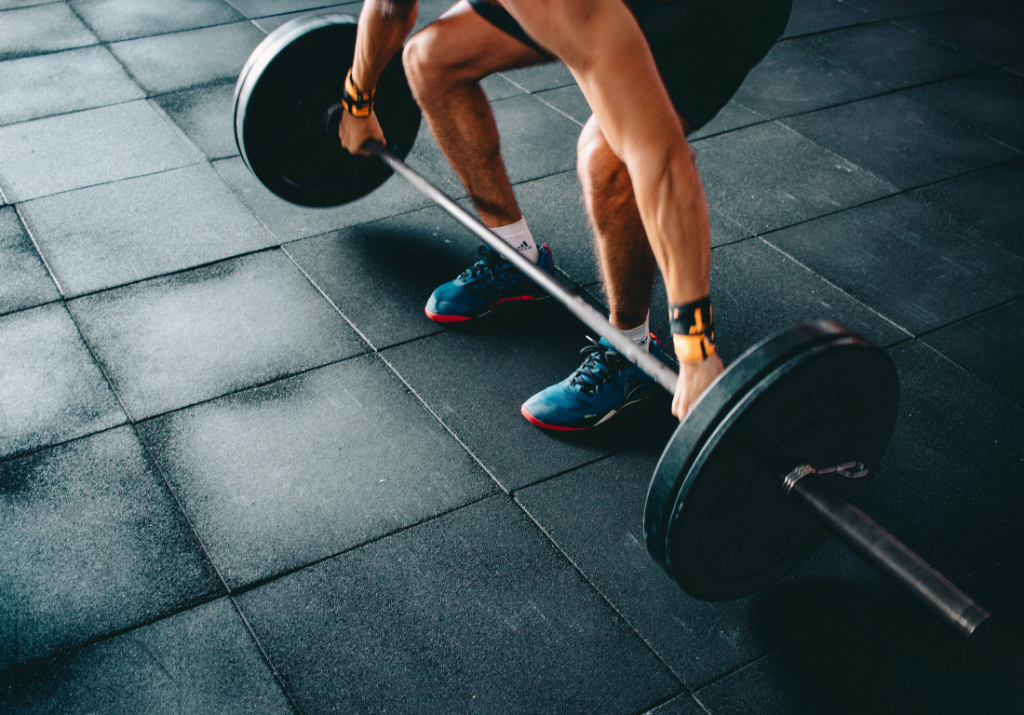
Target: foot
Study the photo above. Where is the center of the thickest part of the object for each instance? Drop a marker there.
(486, 284)
(602, 386)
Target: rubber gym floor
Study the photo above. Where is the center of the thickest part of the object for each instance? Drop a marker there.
(241, 472)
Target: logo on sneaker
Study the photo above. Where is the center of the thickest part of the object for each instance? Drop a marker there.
(632, 385)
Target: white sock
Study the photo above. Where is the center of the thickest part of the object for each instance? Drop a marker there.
(641, 335)
(518, 236)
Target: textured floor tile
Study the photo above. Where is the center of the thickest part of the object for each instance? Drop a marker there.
(536, 141)
(540, 77)
(885, 9)
(680, 705)
(264, 8)
(569, 100)
(270, 23)
(471, 611)
(936, 489)
(978, 29)
(193, 336)
(131, 230)
(24, 280)
(113, 20)
(381, 274)
(907, 262)
(187, 59)
(810, 16)
(50, 388)
(289, 474)
(732, 116)
(989, 347)
(889, 659)
(988, 201)
(11, 4)
(490, 370)
(793, 77)
(200, 661)
(47, 156)
(596, 516)
(290, 222)
(206, 116)
(767, 176)
(893, 56)
(553, 208)
(901, 140)
(42, 28)
(93, 543)
(992, 103)
(35, 87)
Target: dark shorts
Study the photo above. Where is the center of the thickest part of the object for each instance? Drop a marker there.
(703, 48)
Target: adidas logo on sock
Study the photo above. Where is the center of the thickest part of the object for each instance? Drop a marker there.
(524, 246)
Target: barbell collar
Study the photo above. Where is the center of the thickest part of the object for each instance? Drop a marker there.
(662, 373)
(885, 552)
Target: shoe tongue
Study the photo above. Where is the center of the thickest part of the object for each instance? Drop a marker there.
(605, 343)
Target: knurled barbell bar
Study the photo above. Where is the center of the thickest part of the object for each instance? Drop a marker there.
(771, 458)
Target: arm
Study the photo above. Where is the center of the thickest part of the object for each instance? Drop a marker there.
(601, 43)
(383, 27)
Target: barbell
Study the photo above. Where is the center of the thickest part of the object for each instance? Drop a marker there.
(770, 460)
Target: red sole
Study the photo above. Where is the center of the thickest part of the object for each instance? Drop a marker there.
(537, 423)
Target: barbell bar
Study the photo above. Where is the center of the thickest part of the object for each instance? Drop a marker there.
(770, 459)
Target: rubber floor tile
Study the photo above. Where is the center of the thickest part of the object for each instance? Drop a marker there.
(380, 274)
(793, 78)
(13, 4)
(907, 262)
(536, 140)
(62, 82)
(569, 100)
(680, 705)
(978, 29)
(72, 151)
(767, 176)
(42, 28)
(51, 388)
(206, 117)
(988, 346)
(166, 63)
(270, 23)
(987, 201)
(992, 103)
(596, 514)
(901, 140)
(475, 381)
(810, 16)
(990, 572)
(128, 231)
(290, 222)
(954, 471)
(77, 565)
(24, 280)
(113, 20)
(474, 610)
(201, 661)
(891, 658)
(265, 8)
(291, 473)
(732, 116)
(174, 341)
(550, 75)
(893, 56)
(887, 9)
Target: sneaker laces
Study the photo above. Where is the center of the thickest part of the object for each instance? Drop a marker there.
(600, 365)
(489, 262)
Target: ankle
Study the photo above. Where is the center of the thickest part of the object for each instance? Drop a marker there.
(518, 236)
(641, 334)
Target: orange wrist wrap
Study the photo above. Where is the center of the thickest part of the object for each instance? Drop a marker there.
(357, 102)
(693, 333)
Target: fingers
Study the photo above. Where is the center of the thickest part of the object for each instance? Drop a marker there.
(694, 379)
(354, 132)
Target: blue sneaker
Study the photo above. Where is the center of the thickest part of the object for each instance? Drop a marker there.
(486, 284)
(603, 385)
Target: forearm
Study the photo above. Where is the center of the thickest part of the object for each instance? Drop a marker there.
(383, 27)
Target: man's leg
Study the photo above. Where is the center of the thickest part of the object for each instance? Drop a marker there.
(445, 63)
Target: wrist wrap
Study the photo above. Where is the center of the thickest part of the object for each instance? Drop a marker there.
(693, 333)
(357, 102)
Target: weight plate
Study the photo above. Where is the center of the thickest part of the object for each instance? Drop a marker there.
(715, 517)
(284, 130)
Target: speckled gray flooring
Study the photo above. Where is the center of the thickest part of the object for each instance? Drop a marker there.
(241, 472)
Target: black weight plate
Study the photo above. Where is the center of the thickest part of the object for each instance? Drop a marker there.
(284, 132)
(716, 518)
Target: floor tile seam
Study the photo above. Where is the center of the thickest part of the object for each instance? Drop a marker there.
(143, 98)
(514, 492)
(908, 333)
(605, 598)
(551, 106)
(669, 699)
(444, 425)
(973, 316)
(265, 654)
(14, 456)
(108, 42)
(272, 578)
(287, 12)
(31, 233)
(89, 643)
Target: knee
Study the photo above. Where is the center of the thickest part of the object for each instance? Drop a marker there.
(430, 65)
(600, 170)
